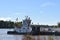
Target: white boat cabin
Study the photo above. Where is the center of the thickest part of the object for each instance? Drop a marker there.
(25, 26)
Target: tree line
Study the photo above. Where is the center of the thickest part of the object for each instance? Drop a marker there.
(11, 24)
(8, 24)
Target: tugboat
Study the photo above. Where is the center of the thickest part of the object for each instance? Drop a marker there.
(27, 29)
(24, 29)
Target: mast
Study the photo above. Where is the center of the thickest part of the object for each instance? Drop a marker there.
(16, 19)
(16, 23)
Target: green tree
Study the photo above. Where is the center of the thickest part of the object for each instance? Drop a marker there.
(59, 24)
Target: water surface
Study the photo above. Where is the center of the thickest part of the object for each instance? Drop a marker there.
(5, 36)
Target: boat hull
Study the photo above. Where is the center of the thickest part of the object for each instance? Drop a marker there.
(34, 33)
(16, 33)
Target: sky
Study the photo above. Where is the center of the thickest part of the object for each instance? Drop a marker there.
(40, 11)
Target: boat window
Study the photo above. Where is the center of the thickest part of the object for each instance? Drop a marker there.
(23, 28)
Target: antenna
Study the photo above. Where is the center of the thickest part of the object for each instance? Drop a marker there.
(26, 17)
(16, 19)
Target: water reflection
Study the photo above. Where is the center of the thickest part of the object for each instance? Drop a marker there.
(5, 36)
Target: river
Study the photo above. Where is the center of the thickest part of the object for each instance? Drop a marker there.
(5, 36)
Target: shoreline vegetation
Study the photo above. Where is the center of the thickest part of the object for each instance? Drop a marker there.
(11, 24)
